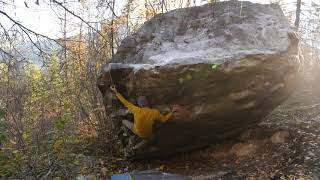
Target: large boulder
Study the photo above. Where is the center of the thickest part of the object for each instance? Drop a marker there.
(227, 64)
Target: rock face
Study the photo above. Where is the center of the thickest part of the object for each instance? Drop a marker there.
(227, 64)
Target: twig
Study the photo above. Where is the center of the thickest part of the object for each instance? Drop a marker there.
(112, 9)
(304, 107)
(9, 39)
(6, 53)
(25, 28)
(27, 31)
(309, 107)
(72, 13)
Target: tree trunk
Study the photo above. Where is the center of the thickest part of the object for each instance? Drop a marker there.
(298, 10)
(112, 30)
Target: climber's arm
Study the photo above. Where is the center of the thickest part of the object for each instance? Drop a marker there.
(131, 107)
(166, 117)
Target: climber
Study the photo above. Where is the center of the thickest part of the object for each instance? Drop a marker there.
(144, 118)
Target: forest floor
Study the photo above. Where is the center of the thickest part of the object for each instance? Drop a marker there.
(286, 145)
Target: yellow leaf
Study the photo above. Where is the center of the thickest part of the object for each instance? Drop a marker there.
(24, 136)
(57, 145)
(214, 66)
(189, 77)
(67, 105)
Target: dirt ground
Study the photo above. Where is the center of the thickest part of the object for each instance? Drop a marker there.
(266, 153)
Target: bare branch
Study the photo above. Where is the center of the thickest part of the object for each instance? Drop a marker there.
(29, 37)
(6, 53)
(28, 31)
(112, 9)
(9, 39)
(72, 13)
(25, 28)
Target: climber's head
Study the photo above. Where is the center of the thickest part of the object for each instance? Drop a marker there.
(142, 101)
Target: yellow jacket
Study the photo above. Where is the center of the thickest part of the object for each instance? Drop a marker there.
(144, 118)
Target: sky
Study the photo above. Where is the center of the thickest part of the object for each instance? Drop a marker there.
(43, 18)
(38, 18)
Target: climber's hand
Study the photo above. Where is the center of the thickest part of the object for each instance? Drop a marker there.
(175, 108)
(113, 88)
